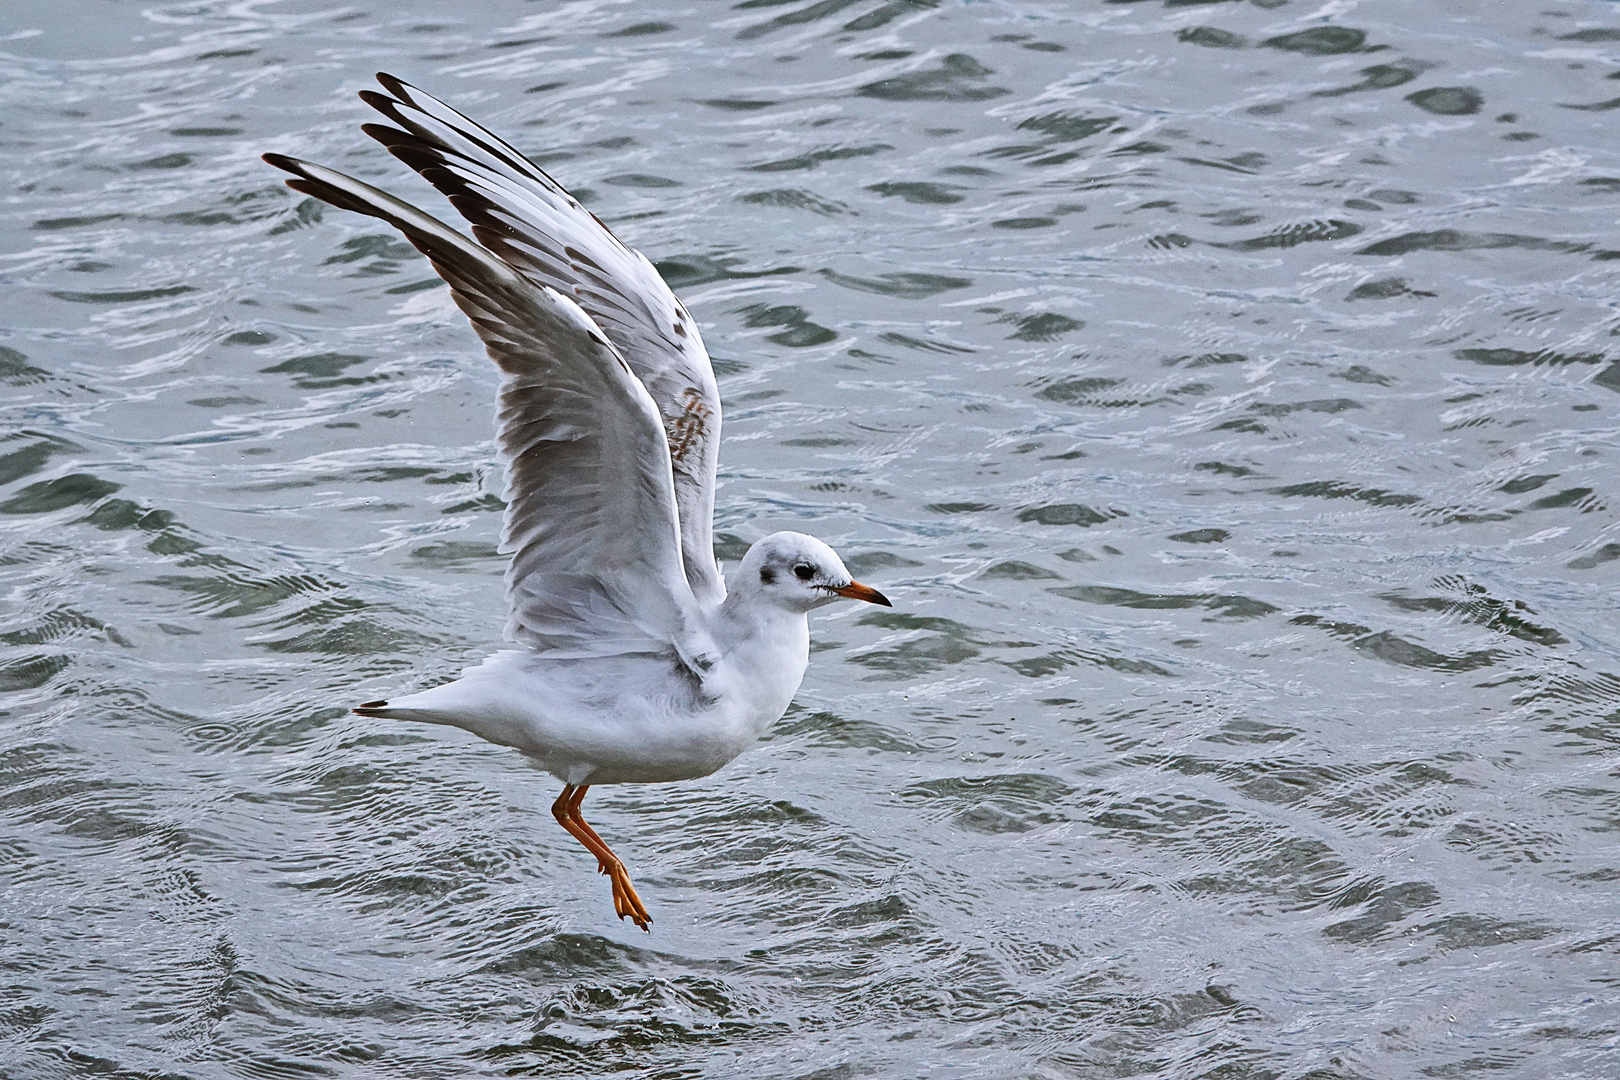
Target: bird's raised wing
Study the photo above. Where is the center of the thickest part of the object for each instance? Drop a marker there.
(526, 218)
(590, 516)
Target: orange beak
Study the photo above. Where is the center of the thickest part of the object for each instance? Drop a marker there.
(856, 591)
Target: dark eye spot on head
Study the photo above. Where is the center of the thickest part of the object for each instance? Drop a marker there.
(767, 576)
(804, 572)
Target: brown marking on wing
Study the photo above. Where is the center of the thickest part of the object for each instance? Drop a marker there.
(579, 256)
(687, 429)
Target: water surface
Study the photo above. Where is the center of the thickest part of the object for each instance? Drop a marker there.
(1225, 394)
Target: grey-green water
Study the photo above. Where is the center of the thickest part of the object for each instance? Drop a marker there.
(1225, 393)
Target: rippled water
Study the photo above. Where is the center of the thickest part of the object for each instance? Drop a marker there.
(1224, 392)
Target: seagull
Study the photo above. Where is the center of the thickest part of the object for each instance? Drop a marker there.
(633, 662)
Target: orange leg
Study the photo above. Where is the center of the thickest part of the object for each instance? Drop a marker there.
(625, 900)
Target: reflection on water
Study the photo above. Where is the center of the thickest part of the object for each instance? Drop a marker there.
(1223, 392)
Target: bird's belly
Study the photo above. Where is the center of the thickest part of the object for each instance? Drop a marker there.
(662, 731)
(631, 746)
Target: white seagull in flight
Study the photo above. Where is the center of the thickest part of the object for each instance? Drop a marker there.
(634, 663)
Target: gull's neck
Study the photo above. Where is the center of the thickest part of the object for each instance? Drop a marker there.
(765, 649)
(745, 613)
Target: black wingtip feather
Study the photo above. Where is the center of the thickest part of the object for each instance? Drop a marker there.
(385, 105)
(388, 136)
(380, 102)
(329, 194)
(393, 84)
(426, 161)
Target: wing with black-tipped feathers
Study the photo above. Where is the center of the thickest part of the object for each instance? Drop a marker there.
(590, 518)
(526, 218)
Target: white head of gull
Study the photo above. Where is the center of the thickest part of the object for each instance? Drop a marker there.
(634, 662)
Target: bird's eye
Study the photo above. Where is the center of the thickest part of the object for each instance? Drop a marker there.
(804, 572)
